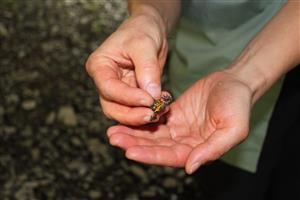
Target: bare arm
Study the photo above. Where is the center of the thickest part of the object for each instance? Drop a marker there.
(168, 10)
(272, 53)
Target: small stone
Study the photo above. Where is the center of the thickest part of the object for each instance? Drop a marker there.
(97, 148)
(12, 98)
(170, 182)
(67, 116)
(35, 154)
(94, 146)
(27, 131)
(150, 192)
(169, 170)
(3, 30)
(95, 126)
(188, 180)
(1, 111)
(9, 129)
(78, 166)
(28, 104)
(50, 118)
(139, 172)
(76, 141)
(133, 196)
(181, 173)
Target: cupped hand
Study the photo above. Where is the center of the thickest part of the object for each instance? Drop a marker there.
(127, 68)
(206, 121)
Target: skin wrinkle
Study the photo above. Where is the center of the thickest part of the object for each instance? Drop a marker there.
(196, 119)
(189, 141)
(174, 133)
(122, 63)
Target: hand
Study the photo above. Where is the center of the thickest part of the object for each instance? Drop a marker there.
(211, 117)
(127, 68)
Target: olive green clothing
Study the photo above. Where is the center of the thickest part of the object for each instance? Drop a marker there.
(209, 36)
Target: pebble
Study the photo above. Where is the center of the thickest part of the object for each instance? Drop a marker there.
(132, 197)
(94, 126)
(9, 129)
(35, 154)
(12, 98)
(76, 141)
(3, 30)
(139, 172)
(50, 118)
(67, 116)
(170, 182)
(29, 104)
(94, 146)
(188, 180)
(95, 194)
(150, 192)
(97, 148)
(27, 131)
(1, 110)
(181, 173)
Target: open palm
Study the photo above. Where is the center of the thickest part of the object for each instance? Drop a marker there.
(208, 119)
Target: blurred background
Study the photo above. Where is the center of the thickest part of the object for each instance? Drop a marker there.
(52, 132)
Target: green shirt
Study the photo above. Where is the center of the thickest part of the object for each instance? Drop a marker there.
(210, 35)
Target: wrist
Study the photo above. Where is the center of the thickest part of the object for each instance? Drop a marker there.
(151, 14)
(250, 75)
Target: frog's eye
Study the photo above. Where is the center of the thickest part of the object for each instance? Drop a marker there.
(167, 99)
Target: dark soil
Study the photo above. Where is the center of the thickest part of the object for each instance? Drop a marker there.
(52, 132)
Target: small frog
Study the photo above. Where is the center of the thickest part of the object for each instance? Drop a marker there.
(160, 105)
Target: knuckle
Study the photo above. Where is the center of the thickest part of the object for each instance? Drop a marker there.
(90, 63)
(150, 64)
(140, 39)
(143, 38)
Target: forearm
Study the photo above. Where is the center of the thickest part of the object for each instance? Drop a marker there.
(272, 53)
(168, 11)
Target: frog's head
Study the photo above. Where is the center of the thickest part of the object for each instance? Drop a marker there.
(167, 99)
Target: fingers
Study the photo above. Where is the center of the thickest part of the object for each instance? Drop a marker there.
(130, 131)
(118, 91)
(106, 75)
(213, 148)
(174, 156)
(134, 116)
(148, 131)
(144, 54)
(126, 141)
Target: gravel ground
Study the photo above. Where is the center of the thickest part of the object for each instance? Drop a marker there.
(52, 131)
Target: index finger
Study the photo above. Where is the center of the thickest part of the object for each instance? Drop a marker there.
(172, 156)
(106, 74)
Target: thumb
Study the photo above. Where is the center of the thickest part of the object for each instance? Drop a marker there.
(144, 56)
(214, 147)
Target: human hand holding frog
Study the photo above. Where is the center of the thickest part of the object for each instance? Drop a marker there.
(127, 67)
(208, 119)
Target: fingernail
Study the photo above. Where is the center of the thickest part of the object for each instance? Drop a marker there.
(147, 118)
(194, 167)
(144, 102)
(153, 89)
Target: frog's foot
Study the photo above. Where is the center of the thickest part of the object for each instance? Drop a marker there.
(154, 117)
